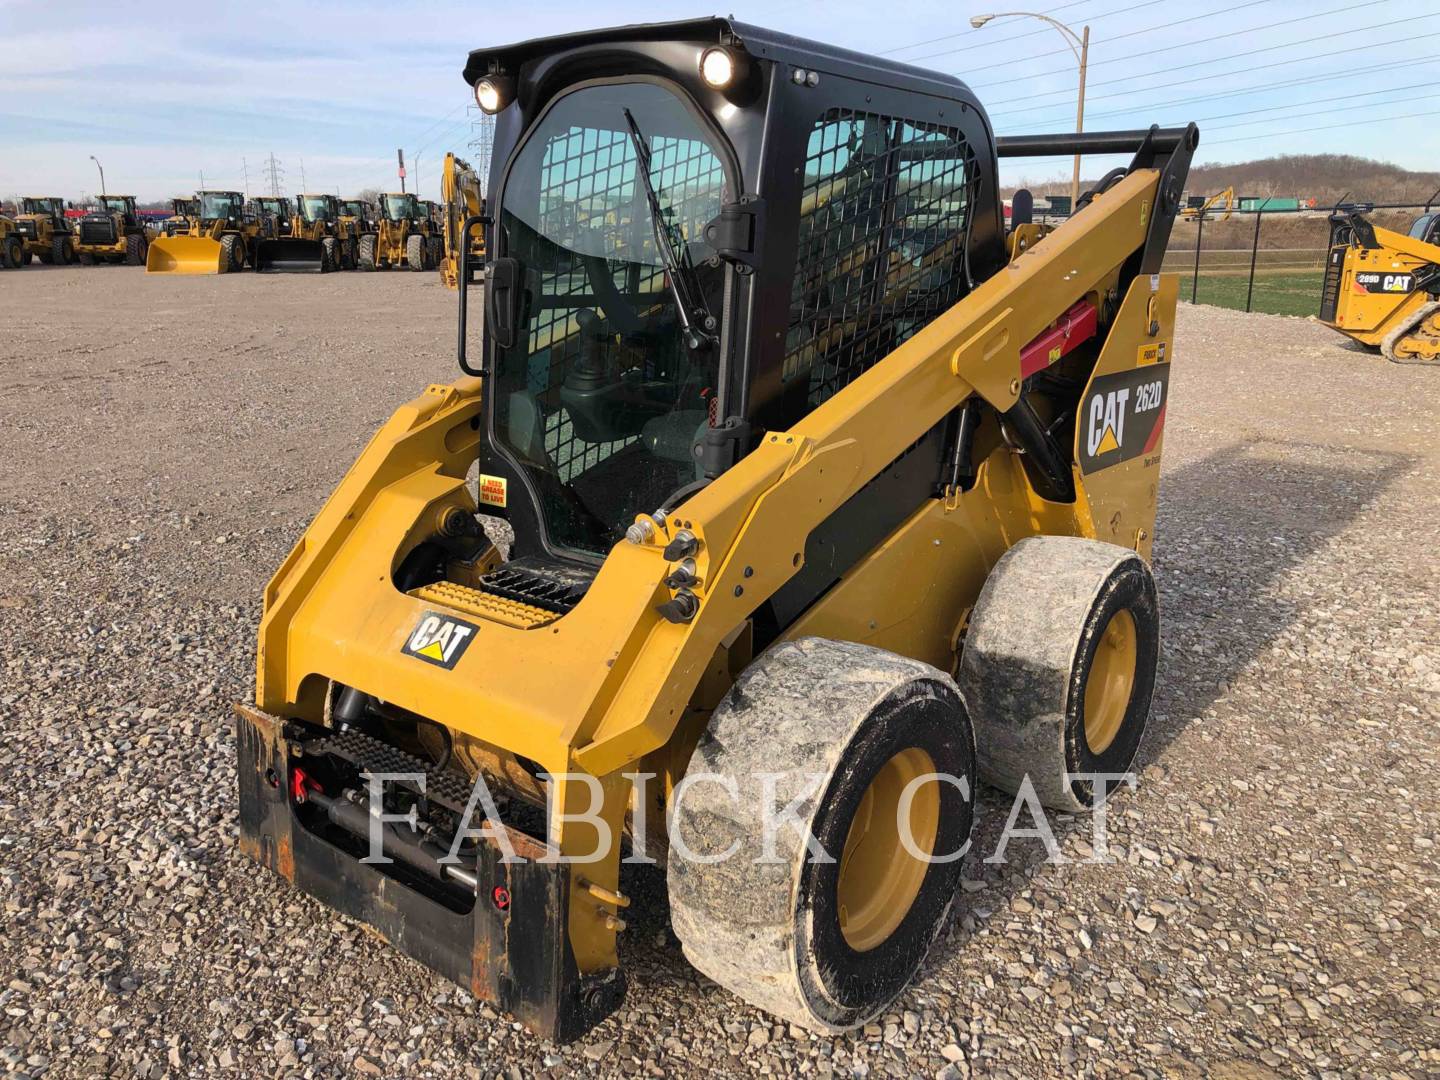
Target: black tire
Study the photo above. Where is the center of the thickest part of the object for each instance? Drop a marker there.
(1048, 609)
(774, 933)
(352, 250)
(47, 258)
(85, 258)
(14, 253)
(62, 250)
(135, 249)
(232, 254)
(415, 252)
(329, 254)
(437, 252)
(26, 256)
(366, 248)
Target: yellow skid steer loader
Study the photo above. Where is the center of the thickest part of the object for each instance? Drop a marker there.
(1382, 288)
(218, 239)
(823, 509)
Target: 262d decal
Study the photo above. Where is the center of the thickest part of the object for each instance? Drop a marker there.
(1122, 416)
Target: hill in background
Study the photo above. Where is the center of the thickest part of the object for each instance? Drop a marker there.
(1323, 177)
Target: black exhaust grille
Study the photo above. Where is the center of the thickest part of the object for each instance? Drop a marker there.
(550, 592)
(97, 231)
(1330, 291)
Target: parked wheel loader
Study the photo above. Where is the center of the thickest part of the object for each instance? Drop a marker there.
(405, 236)
(464, 194)
(829, 499)
(1382, 288)
(182, 210)
(317, 241)
(274, 214)
(44, 230)
(359, 216)
(112, 233)
(219, 238)
(12, 247)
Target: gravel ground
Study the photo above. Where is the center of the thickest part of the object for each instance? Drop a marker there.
(1272, 906)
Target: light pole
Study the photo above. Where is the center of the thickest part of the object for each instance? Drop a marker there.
(1080, 46)
(102, 174)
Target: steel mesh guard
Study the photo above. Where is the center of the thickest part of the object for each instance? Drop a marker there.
(589, 184)
(881, 244)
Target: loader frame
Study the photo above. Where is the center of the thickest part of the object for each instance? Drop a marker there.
(590, 693)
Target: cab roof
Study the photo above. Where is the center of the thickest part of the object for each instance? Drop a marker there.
(757, 41)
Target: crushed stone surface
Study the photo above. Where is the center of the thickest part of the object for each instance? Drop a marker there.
(1272, 906)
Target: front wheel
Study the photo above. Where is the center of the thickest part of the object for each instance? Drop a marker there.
(415, 252)
(135, 249)
(876, 754)
(14, 253)
(232, 254)
(366, 257)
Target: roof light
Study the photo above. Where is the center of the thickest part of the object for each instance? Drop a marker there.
(493, 93)
(718, 67)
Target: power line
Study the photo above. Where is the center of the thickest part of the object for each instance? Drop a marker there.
(963, 33)
(1220, 59)
(1150, 107)
(1151, 30)
(992, 42)
(1243, 138)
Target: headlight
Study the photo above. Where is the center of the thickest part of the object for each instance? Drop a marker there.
(718, 67)
(493, 93)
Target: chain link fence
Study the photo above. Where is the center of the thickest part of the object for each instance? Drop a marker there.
(1264, 260)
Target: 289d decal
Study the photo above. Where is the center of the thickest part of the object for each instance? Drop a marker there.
(1122, 416)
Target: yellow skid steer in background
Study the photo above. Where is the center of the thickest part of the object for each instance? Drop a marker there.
(1382, 288)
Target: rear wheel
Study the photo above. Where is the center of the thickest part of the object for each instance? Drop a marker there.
(415, 252)
(437, 251)
(329, 255)
(135, 249)
(825, 942)
(366, 257)
(1059, 666)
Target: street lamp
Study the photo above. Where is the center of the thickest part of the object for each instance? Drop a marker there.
(102, 174)
(1080, 46)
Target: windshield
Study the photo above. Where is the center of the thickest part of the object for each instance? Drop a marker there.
(602, 402)
(43, 206)
(398, 207)
(115, 203)
(352, 209)
(219, 204)
(316, 208)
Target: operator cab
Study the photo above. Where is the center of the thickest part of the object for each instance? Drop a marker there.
(220, 205)
(1426, 229)
(702, 231)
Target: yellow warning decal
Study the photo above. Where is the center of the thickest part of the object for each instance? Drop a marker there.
(1151, 354)
(493, 490)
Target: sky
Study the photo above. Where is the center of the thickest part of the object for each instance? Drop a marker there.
(162, 93)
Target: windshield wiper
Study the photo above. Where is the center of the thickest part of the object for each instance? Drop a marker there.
(690, 303)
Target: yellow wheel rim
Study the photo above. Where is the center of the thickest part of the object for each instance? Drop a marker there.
(879, 878)
(1111, 681)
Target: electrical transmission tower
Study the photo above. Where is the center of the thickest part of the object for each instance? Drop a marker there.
(482, 142)
(275, 174)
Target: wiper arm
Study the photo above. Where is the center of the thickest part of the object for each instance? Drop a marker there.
(679, 271)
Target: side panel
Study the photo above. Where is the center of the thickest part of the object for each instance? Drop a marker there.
(1121, 421)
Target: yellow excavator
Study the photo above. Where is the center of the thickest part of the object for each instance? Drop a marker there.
(1203, 208)
(317, 241)
(1382, 288)
(464, 195)
(821, 512)
(218, 239)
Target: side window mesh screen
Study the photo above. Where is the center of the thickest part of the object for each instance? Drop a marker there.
(882, 232)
